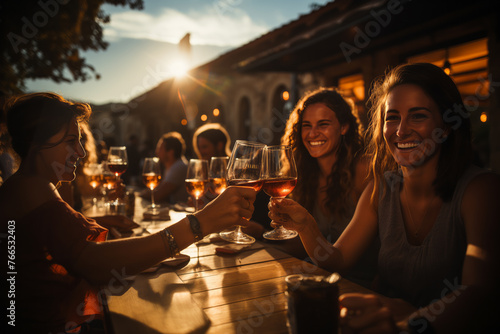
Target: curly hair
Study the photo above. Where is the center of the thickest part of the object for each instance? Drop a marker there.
(340, 181)
(33, 118)
(456, 150)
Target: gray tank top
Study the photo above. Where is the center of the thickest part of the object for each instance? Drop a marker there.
(423, 273)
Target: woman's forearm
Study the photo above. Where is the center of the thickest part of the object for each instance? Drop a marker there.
(320, 250)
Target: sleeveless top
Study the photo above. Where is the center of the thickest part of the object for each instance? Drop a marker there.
(422, 273)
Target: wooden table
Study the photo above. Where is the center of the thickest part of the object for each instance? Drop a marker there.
(212, 293)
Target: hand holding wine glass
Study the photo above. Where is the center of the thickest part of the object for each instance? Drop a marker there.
(151, 177)
(197, 179)
(280, 178)
(244, 170)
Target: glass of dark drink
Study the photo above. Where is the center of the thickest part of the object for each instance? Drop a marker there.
(197, 179)
(312, 303)
(280, 177)
(151, 178)
(244, 170)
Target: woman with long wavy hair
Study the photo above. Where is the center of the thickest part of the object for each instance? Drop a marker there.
(327, 143)
(326, 136)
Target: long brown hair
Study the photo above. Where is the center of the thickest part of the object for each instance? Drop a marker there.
(456, 151)
(340, 181)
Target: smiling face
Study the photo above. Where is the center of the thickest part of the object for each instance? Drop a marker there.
(321, 131)
(411, 116)
(60, 161)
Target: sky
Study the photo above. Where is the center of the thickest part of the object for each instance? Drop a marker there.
(143, 50)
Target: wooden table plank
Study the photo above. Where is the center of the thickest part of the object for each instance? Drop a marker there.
(274, 323)
(232, 294)
(249, 273)
(264, 306)
(156, 304)
(207, 249)
(214, 262)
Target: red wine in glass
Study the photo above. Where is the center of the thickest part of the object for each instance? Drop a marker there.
(117, 169)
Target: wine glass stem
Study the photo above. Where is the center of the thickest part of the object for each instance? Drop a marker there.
(195, 204)
(152, 198)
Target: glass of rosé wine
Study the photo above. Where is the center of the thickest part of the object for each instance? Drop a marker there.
(151, 177)
(244, 170)
(197, 179)
(217, 175)
(280, 177)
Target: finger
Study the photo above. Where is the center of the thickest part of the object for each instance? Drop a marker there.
(370, 317)
(359, 301)
(246, 192)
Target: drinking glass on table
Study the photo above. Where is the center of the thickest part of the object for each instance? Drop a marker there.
(197, 179)
(95, 179)
(244, 169)
(280, 177)
(217, 175)
(117, 163)
(151, 177)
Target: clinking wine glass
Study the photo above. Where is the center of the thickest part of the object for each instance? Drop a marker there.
(217, 175)
(280, 177)
(244, 170)
(117, 163)
(151, 177)
(197, 179)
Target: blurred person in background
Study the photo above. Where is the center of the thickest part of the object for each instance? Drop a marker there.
(211, 140)
(171, 149)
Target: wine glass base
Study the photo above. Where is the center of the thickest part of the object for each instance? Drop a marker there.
(237, 238)
(280, 234)
(153, 209)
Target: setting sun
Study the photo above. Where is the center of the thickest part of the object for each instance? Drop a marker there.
(178, 68)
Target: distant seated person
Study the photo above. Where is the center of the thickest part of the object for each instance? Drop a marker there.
(211, 140)
(170, 150)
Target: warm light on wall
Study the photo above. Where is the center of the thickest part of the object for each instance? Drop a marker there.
(285, 95)
(483, 117)
(204, 117)
(216, 112)
(184, 121)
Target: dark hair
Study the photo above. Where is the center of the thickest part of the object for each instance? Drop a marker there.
(340, 180)
(33, 118)
(214, 133)
(456, 150)
(174, 141)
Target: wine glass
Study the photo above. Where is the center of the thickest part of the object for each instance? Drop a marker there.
(95, 179)
(117, 163)
(217, 175)
(280, 177)
(151, 177)
(244, 169)
(197, 179)
(117, 160)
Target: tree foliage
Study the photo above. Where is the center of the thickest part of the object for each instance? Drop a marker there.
(42, 39)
